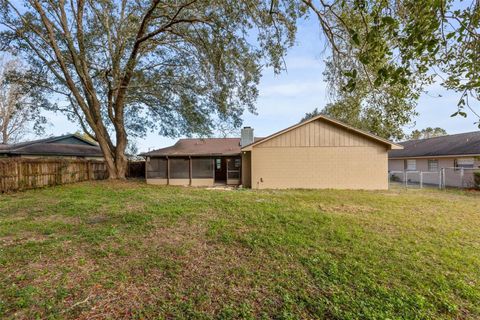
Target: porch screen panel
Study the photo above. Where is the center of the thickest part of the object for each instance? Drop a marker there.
(157, 168)
(179, 168)
(233, 168)
(202, 168)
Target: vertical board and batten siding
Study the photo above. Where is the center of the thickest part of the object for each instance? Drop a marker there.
(320, 155)
(318, 134)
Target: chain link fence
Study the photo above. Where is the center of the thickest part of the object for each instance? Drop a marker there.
(454, 177)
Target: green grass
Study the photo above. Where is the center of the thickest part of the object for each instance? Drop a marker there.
(128, 250)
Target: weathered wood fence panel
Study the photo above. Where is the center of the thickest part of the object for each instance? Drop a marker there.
(21, 174)
(136, 169)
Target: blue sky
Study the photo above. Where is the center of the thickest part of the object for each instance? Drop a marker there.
(285, 98)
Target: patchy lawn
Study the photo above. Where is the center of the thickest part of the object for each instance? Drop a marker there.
(113, 250)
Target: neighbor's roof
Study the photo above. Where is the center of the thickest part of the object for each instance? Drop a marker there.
(452, 145)
(66, 145)
(200, 147)
(329, 120)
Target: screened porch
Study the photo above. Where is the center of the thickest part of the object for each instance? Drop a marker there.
(194, 171)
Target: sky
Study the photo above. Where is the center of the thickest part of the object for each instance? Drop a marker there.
(284, 99)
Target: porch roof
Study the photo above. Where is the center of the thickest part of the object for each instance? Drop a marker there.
(199, 147)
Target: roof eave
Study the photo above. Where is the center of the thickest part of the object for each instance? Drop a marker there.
(190, 154)
(435, 156)
(66, 154)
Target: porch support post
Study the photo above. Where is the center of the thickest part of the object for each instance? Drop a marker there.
(168, 170)
(240, 180)
(190, 169)
(213, 170)
(147, 160)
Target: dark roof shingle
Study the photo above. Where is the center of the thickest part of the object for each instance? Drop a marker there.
(456, 144)
(200, 147)
(54, 147)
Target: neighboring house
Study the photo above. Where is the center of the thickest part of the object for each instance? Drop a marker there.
(317, 153)
(68, 146)
(450, 152)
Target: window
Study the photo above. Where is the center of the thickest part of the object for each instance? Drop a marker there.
(464, 163)
(432, 165)
(179, 168)
(202, 168)
(411, 165)
(218, 164)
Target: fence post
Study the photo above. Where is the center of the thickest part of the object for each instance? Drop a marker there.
(440, 179)
(88, 170)
(421, 179)
(462, 171)
(20, 174)
(443, 178)
(405, 178)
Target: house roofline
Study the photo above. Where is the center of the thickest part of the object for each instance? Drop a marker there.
(435, 156)
(190, 155)
(18, 145)
(73, 135)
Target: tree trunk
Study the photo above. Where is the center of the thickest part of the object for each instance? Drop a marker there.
(115, 160)
(116, 167)
(121, 160)
(4, 134)
(121, 164)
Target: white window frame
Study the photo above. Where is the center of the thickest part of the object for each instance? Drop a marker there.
(467, 163)
(218, 164)
(430, 167)
(411, 165)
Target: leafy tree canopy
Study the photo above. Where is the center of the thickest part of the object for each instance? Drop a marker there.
(315, 112)
(384, 53)
(129, 66)
(426, 133)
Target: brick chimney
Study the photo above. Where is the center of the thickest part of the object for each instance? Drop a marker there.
(246, 136)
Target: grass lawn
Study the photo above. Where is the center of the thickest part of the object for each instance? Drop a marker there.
(128, 250)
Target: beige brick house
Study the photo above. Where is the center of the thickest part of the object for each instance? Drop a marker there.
(317, 153)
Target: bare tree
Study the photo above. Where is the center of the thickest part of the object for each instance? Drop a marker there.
(18, 115)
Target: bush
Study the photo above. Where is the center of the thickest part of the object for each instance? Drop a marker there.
(476, 179)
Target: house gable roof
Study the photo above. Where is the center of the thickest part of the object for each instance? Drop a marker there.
(450, 145)
(66, 145)
(373, 137)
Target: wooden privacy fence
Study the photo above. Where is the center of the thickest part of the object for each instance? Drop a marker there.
(21, 174)
(136, 169)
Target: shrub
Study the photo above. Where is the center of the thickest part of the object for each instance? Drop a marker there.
(476, 179)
